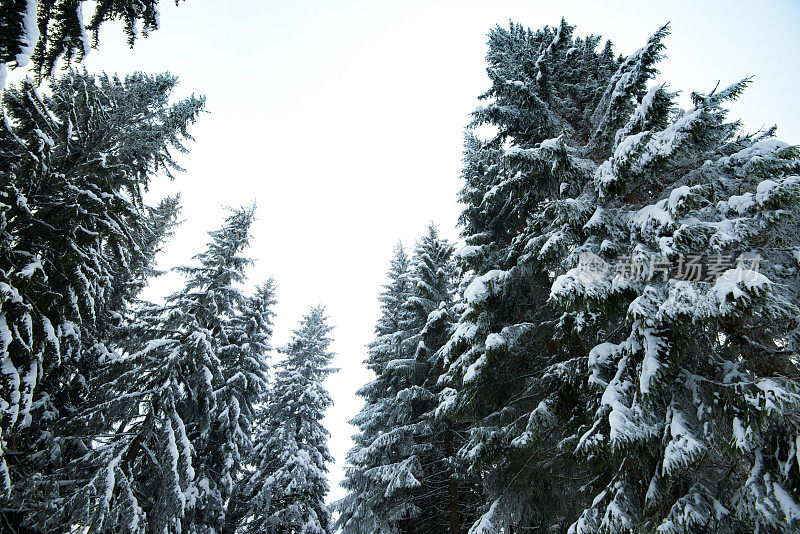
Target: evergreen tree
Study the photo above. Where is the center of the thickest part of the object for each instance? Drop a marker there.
(43, 31)
(165, 444)
(77, 245)
(245, 391)
(693, 394)
(501, 358)
(365, 508)
(402, 476)
(289, 485)
(603, 401)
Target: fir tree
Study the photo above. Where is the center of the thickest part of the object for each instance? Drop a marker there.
(364, 508)
(289, 485)
(402, 475)
(245, 391)
(545, 86)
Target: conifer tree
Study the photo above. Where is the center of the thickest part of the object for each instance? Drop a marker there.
(244, 392)
(170, 416)
(77, 244)
(658, 404)
(545, 86)
(289, 485)
(44, 31)
(361, 509)
(402, 476)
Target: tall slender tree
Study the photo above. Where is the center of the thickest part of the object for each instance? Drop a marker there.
(165, 444)
(501, 359)
(402, 476)
(290, 483)
(364, 507)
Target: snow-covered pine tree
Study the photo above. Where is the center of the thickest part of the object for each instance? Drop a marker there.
(401, 477)
(446, 497)
(671, 403)
(76, 243)
(43, 31)
(288, 488)
(160, 431)
(503, 358)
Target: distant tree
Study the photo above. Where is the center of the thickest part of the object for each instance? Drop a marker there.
(286, 492)
(44, 31)
(245, 392)
(402, 474)
(365, 508)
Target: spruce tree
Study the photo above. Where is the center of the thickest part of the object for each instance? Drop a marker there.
(365, 508)
(44, 31)
(288, 487)
(169, 416)
(245, 392)
(693, 394)
(402, 475)
(77, 244)
(500, 379)
(599, 400)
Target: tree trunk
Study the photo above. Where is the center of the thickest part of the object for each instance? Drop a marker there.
(452, 489)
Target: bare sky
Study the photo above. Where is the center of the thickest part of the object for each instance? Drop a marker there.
(344, 121)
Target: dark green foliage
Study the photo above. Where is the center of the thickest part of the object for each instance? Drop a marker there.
(403, 475)
(597, 402)
(76, 242)
(286, 491)
(45, 31)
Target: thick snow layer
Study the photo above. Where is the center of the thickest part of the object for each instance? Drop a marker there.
(448, 399)
(650, 363)
(677, 196)
(763, 190)
(84, 38)
(486, 524)
(740, 435)
(495, 341)
(480, 288)
(763, 147)
(738, 203)
(472, 370)
(30, 33)
(683, 447)
(467, 252)
(728, 288)
(655, 212)
(790, 509)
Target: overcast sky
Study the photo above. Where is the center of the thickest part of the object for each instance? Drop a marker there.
(344, 121)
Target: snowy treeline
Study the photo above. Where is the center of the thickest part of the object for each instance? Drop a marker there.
(519, 391)
(119, 415)
(613, 349)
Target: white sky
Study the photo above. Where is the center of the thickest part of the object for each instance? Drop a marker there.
(344, 120)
